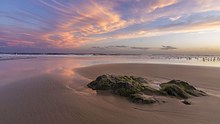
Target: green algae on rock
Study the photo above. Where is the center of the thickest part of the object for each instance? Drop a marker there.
(122, 85)
(180, 89)
(138, 90)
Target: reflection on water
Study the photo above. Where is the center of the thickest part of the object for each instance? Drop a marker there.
(24, 68)
(14, 69)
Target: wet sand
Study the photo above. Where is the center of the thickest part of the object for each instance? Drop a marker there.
(51, 98)
(200, 76)
(204, 110)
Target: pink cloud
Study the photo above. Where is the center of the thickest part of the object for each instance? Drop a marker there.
(76, 24)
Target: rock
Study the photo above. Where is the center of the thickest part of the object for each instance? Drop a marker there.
(180, 89)
(138, 90)
(151, 91)
(186, 102)
(122, 85)
(174, 90)
(142, 99)
(101, 83)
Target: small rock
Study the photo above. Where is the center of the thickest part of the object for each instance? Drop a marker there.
(186, 102)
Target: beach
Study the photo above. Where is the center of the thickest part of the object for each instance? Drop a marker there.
(53, 91)
(109, 62)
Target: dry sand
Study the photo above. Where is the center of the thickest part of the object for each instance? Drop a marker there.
(46, 99)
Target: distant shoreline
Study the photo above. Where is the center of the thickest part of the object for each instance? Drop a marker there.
(65, 54)
(16, 58)
(209, 61)
(111, 54)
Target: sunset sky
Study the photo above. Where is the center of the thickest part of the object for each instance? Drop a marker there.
(111, 26)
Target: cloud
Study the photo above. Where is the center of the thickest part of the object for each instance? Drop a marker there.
(156, 4)
(2, 44)
(168, 48)
(134, 48)
(78, 27)
(140, 48)
(121, 47)
(118, 46)
(71, 24)
(185, 24)
(207, 5)
(175, 18)
(111, 47)
(97, 47)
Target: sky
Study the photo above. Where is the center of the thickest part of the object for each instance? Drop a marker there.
(110, 26)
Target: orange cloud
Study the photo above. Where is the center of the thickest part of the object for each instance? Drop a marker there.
(156, 4)
(94, 19)
(81, 25)
(207, 5)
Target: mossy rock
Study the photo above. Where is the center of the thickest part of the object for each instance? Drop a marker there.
(174, 90)
(138, 90)
(180, 89)
(122, 85)
(126, 92)
(142, 99)
(151, 91)
(101, 83)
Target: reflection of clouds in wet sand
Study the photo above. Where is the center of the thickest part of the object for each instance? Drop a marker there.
(71, 79)
(62, 71)
(79, 85)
